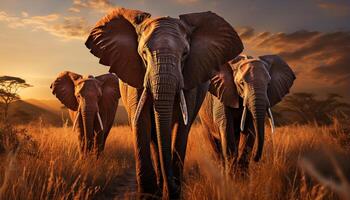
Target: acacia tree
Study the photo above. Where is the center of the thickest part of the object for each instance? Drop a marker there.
(9, 88)
(308, 108)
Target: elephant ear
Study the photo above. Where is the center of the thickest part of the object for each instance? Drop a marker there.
(110, 93)
(222, 86)
(213, 42)
(114, 41)
(63, 89)
(282, 78)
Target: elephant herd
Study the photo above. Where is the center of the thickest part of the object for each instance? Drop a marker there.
(167, 71)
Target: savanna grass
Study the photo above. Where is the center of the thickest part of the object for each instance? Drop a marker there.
(50, 167)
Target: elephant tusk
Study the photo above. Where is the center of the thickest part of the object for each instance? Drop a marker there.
(272, 121)
(183, 107)
(244, 114)
(76, 118)
(100, 120)
(140, 105)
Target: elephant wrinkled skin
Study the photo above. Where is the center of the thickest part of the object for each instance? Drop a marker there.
(241, 94)
(163, 64)
(92, 103)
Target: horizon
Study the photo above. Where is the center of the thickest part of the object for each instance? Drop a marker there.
(314, 38)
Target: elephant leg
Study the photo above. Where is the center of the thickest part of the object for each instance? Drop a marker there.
(218, 150)
(156, 158)
(145, 175)
(103, 142)
(89, 144)
(246, 146)
(212, 142)
(194, 99)
(99, 138)
(227, 140)
(222, 145)
(233, 140)
(105, 135)
(180, 137)
(223, 120)
(80, 130)
(81, 138)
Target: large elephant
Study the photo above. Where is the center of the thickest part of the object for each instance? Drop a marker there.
(240, 95)
(163, 64)
(92, 103)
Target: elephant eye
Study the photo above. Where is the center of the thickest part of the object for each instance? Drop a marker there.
(144, 53)
(184, 54)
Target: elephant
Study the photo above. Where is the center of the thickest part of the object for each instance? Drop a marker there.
(234, 109)
(92, 103)
(164, 65)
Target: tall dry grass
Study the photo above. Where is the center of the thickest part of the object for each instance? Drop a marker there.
(51, 169)
(277, 176)
(54, 171)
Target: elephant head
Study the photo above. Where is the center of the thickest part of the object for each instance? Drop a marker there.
(164, 56)
(85, 95)
(261, 83)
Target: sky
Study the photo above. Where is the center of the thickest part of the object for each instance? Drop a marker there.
(41, 38)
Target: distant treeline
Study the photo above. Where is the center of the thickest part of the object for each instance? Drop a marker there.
(23, 112)
(304, 108)
(296, 108)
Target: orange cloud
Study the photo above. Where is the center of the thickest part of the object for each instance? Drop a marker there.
(63, 27)
(187, 1)
(12, 21)
(338, 9)
(98, 5)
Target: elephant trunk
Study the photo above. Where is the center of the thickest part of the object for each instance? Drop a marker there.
(257, 104)
(164, 86)
(259, 125)
(88, 115)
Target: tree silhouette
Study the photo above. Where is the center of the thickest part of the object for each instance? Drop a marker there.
(308, 108)
(9, 88)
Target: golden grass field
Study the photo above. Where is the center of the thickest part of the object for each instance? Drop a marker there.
(46, 166)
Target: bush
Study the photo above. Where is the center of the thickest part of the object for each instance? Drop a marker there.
(16, 140)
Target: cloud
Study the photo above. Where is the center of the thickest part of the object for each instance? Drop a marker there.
(337, 9)
(12, 21)
(96, 5)
(69, 28)
(72, 27)
(321, 57)
(40, 21)
(24, 14)
(73, 9)
(66, 27)
(187, 1)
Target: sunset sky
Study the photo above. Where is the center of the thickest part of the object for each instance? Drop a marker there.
(40, 38)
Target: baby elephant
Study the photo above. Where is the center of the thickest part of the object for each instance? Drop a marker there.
(92, 103)
(233, 113)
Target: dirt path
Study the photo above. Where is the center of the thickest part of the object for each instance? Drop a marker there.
(122, 187)
(126, 188)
